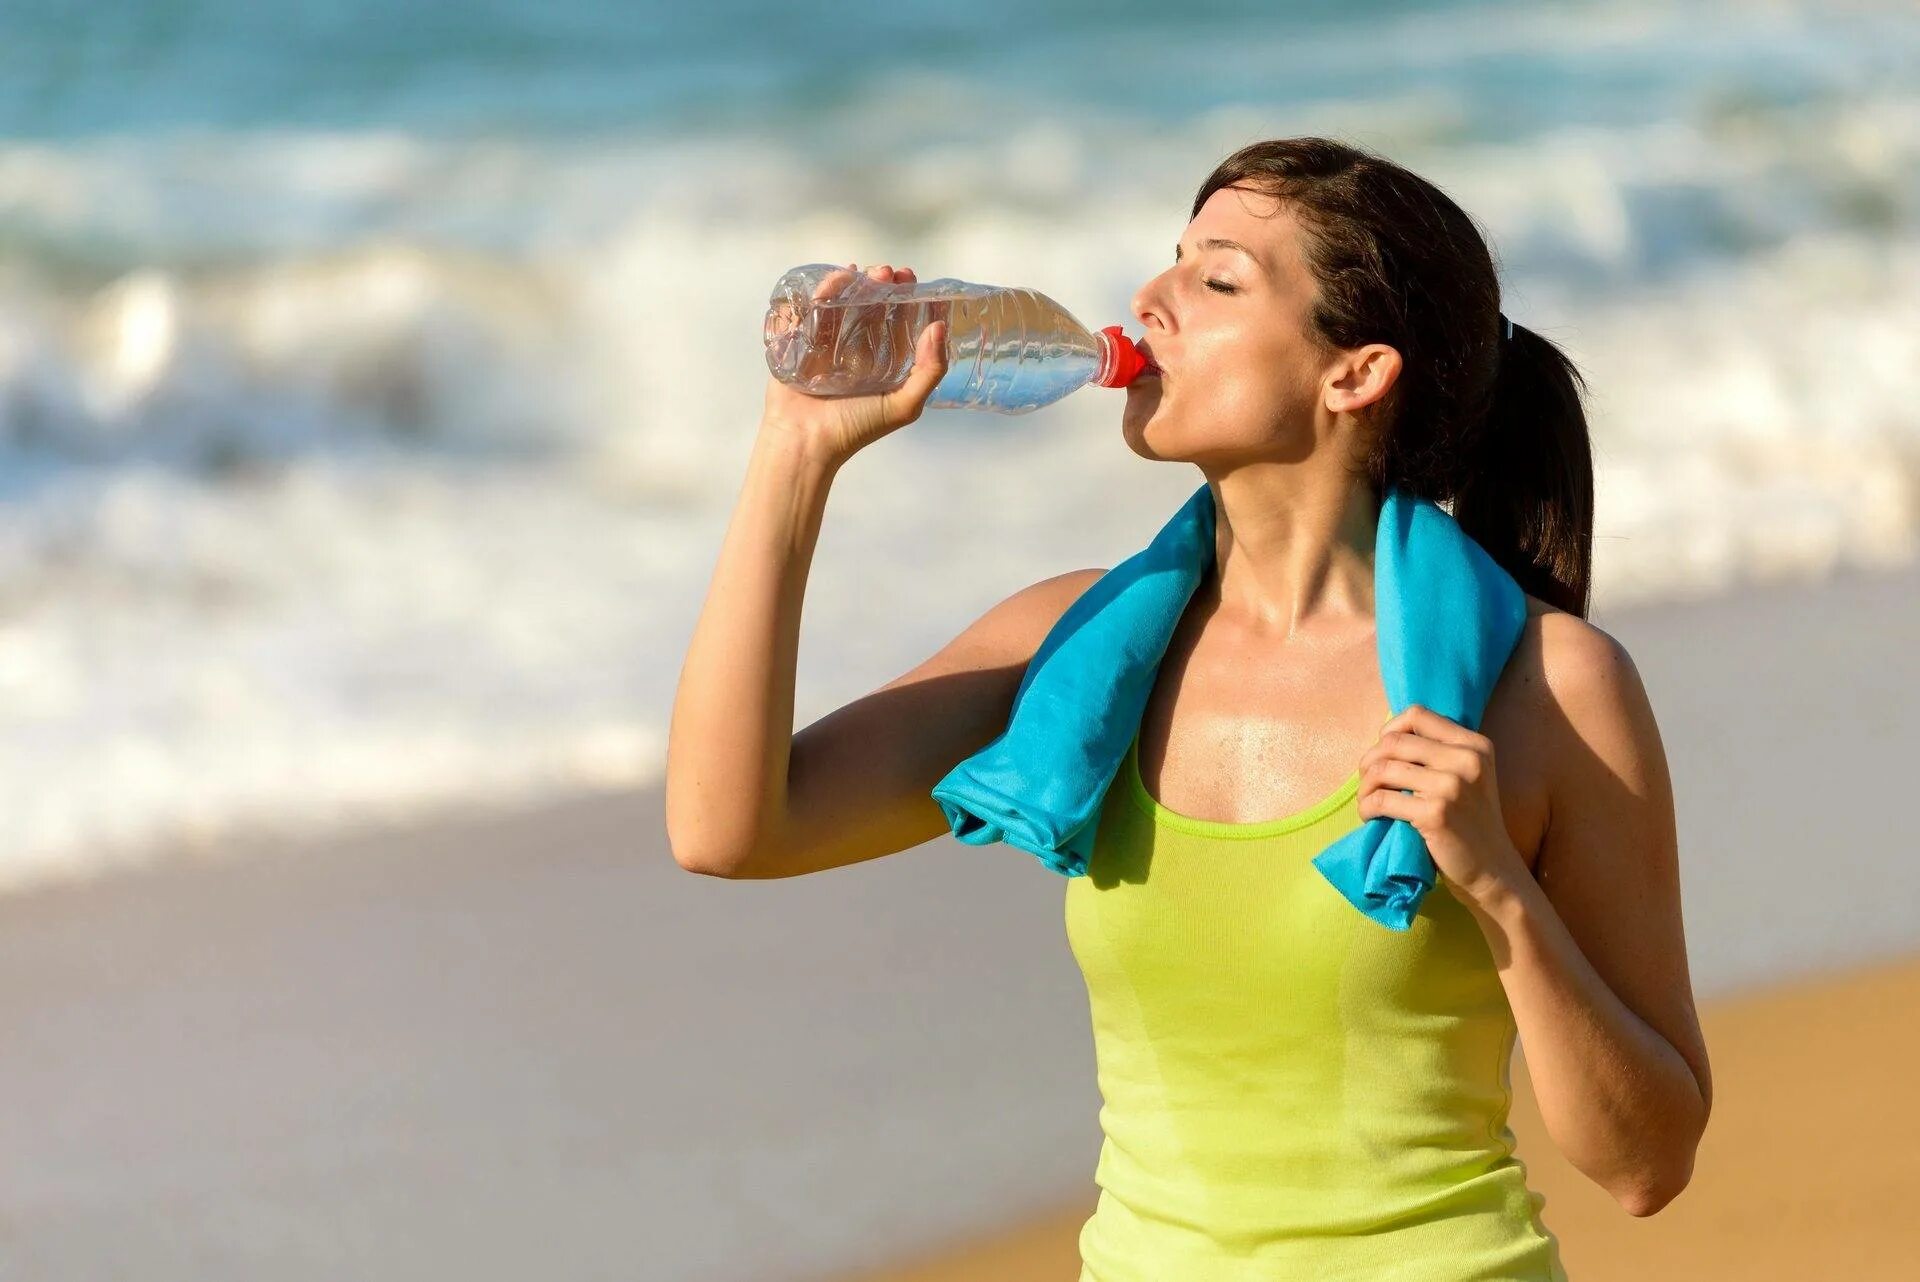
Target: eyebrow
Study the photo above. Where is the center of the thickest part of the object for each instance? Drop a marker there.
(1219, 242)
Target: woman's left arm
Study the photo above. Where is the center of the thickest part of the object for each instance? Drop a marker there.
(1592, 953)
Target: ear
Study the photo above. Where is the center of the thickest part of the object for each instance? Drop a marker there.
(1362, 377)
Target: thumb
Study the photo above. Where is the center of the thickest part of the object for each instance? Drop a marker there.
(929, 367)
(930, 353)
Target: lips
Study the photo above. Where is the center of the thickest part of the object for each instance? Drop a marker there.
(1153, 366)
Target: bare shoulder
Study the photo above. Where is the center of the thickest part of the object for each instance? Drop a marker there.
(1588, 722)
(1568, 699)
(1565, 663)
(1581, 668)
(1047, 596)
(1054, 595)
(1012, 629)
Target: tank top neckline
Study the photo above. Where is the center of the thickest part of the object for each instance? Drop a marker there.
(1299, 819)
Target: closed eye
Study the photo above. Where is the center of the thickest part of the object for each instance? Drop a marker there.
(1214, 285)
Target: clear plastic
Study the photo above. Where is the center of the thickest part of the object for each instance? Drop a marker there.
(1010, 350)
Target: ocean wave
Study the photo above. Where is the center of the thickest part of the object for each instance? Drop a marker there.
(351, 477)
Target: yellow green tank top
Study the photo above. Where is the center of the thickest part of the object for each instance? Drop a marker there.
(1290, 1089)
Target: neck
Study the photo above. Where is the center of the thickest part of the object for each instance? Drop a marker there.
(1291, 546)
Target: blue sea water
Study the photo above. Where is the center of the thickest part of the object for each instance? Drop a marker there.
(375, 380)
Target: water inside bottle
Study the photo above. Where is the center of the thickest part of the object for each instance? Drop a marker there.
(1009, 348)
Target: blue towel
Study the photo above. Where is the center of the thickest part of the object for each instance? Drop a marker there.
(1446, 615)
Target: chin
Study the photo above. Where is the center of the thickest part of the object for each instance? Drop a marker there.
(1148, 440)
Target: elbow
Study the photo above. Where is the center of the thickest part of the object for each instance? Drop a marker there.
(728, 861)
(706, 866)
(1641, 1204)
(704, 858)
(737, 852)
(1652, 1195)
(1645, 1202)
(703, 848)
(1659, 1186)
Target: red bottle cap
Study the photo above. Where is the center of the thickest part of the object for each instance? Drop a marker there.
(1120, 361)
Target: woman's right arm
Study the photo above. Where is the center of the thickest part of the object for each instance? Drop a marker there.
(745, 796)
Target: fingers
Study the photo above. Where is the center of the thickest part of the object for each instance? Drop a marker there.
(887, 274)
(833, 282)
(840, 277)
(837, 279)
(904, 403)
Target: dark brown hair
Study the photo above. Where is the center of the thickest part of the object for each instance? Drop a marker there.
(1493, 429)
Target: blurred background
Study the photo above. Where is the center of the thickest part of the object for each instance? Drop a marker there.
(375, 385)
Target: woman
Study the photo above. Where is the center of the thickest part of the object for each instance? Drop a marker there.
(1291, 1090)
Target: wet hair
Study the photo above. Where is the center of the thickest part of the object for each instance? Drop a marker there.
(1492, 429)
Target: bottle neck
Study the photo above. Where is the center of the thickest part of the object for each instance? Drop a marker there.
(1120, 361)
(1109, 359)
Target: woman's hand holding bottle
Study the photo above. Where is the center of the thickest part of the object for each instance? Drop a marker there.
(832, 428)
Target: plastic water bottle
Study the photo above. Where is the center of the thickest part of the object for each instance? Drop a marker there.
(1009, 349)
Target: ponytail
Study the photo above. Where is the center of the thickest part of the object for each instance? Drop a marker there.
(1525, 493)
(1491, 425)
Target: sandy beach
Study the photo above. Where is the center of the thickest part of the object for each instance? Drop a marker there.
(533, 1046)
(377, 385)
(1806, 1171)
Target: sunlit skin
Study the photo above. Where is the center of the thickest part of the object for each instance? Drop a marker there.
(1562, 842)
(1245, 388)
(1242, 376)
(1554, 823)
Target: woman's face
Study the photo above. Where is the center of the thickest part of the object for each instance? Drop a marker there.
(1240, 378)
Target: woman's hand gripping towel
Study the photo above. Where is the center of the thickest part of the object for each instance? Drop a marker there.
(1447, 616)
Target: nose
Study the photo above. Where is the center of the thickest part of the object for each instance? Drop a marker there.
(1146, 303)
